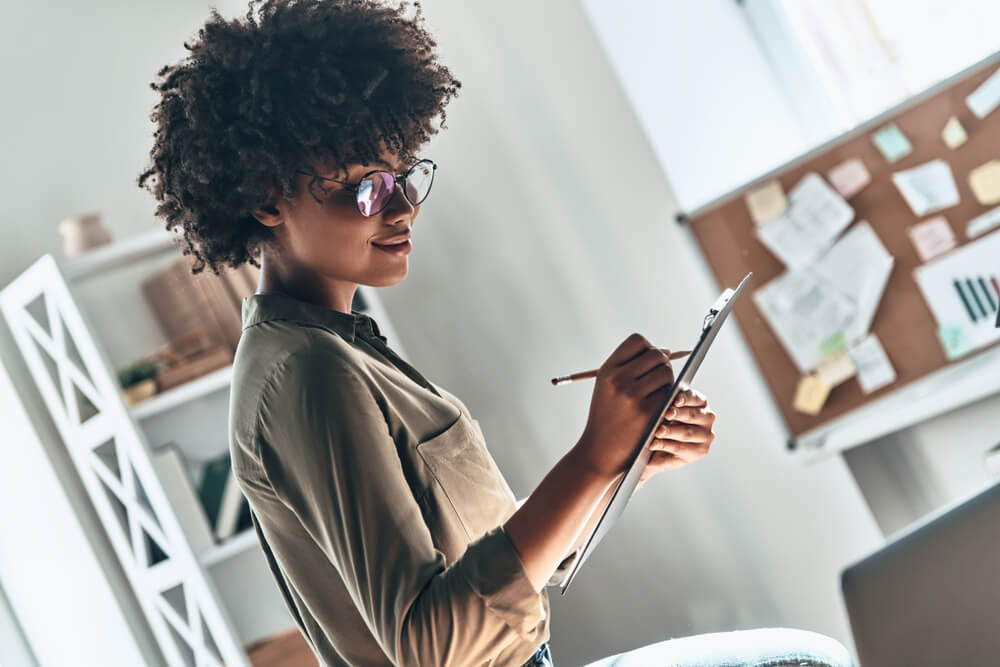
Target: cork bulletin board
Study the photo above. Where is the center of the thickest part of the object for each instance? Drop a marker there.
(905, 325)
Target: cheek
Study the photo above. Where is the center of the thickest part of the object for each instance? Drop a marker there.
(329, 241)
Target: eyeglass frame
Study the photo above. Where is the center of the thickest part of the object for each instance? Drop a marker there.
(353, 187)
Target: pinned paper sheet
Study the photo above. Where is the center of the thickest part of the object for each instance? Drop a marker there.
(874, 369)
(892, 142)
(983, 223)
(836, 369)
(766, 202)
(815, 310)
(954, 341)
(811, 394)
(985, 183)
(804, 310)
(953, 133)
(816, 214)
(932, 237)
(928, 187)
(986, 97)
(849, 177)
(858, 266)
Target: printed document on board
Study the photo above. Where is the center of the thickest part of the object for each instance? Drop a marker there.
(837, 296)
(816, 214)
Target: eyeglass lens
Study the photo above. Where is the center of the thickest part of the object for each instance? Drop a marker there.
(375, 190)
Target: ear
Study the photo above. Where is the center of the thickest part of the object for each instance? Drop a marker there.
(268, 214)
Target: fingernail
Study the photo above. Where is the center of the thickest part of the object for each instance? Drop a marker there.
(671, 413)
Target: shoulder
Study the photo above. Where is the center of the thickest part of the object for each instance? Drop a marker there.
(281, 371)
(283, 350)
(313, 362)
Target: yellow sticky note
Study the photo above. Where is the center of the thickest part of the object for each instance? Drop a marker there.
(985, 182)
(811, 394)
(836, 369)
(953, 133)
(766, 202)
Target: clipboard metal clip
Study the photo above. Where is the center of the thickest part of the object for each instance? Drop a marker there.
(721, 302)
(716, 308)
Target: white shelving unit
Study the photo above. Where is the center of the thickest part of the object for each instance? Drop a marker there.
(75, 322)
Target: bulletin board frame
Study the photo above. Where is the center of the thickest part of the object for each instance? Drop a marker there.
(927, 382)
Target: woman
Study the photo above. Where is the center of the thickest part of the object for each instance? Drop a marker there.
(291, 138)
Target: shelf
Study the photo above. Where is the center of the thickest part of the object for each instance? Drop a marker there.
(236, 544)
(171, 398)
(116, 254)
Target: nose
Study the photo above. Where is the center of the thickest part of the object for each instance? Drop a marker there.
(398, 204)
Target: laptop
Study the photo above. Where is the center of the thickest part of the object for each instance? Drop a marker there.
(931, 596)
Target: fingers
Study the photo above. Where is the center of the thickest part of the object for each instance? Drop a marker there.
(629, 348)
(687, 452)
(690, 397)
(700, 416)
(651, 359)
(660, 379)
(683, 432)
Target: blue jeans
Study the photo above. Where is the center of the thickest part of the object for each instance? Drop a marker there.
(540, 658)
(762, 647)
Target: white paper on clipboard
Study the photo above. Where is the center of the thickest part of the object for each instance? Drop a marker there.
(711, 325)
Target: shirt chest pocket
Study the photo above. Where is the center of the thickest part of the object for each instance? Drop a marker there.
(466, 478)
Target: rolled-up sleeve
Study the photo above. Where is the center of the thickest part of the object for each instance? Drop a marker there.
(329, 456)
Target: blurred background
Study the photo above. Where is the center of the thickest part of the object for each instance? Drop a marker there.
(582, 130)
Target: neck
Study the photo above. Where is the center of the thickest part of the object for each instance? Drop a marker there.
(277, 274)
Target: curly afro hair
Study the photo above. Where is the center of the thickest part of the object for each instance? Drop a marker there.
(308, 82)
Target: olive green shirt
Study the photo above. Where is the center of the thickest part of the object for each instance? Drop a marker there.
(374, 498)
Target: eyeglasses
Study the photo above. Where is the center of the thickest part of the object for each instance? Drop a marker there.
(375, 188)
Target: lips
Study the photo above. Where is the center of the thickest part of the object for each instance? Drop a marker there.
(391, 245)
(397, 240)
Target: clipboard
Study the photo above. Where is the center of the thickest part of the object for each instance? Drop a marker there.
(710, 327)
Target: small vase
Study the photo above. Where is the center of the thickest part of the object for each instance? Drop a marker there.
(82, 233)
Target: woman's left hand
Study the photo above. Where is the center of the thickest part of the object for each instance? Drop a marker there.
(683, 436)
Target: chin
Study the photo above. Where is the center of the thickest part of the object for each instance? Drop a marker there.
(389, 281)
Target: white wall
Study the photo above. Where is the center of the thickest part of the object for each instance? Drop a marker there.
(702, 90)
(548, 240)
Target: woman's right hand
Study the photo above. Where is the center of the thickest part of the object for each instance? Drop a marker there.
(629, 391)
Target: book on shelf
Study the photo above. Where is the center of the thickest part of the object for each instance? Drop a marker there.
(230, 508)
(177, 484)
(244, 522)
(226, 508)
(212, 488)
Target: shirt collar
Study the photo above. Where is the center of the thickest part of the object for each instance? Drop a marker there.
(259, 308)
